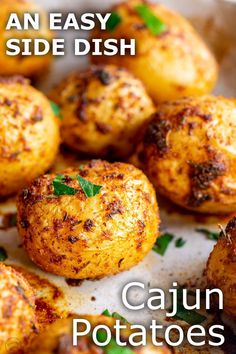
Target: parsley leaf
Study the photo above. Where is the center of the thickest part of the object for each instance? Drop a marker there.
(113, 21)
(211, 235)
(3, 254)
(180, 242)
(12, 220)
(190, 316)
(61, 188)
(106, 313)
(115, 315)
(119, 317)
(89, 189)
(162, 243)
(56, 109)
(153, 23)
(112, 347)
(101, 336)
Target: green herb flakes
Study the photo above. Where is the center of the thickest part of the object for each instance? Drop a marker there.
(153, 23)
(60, 188)
(115, 315)
(191, 317)
(180, 242)
(56, 109)
(112, 347)
(89, 189)
(101, 336)
(12, 220)
(211, 235)
(106, 313)
(162, 243)
(113, 21)
(119, 317)
(3, 254)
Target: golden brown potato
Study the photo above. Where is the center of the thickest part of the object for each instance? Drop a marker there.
(58, 337)
(189, 153)
(172, 64)
(104, 109)
(29, 134)
(23, 65)
(221, 267)
(17, 315)
(89, 237)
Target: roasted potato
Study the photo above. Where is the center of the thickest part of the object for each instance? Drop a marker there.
(221, 267)
(104, 109)
(17, 315)
(28, 66)
(171, 64)
(80, 236)
(58, 337)
(189, 153)
(29, 134)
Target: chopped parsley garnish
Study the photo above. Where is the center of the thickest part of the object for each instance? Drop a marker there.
(162, 243)
(180, 242)
(112, 347)
(60, 188)
(153, 23)
(115, 315)
(113, 21)
(56, 109)
(211, 235)
(3, 254)
(190, 316)
(107, 313)
(12, 220)
(90, 190)
(119, 317)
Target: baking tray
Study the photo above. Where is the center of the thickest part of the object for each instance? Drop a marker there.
(55, 297)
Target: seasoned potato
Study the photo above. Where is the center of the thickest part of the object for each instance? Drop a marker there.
(172, 64)
(80, 236)
(29, 134)
(221, 267)
(104, 109)
(189, 153)
(23, 65)
(17, 316)
(58, 338)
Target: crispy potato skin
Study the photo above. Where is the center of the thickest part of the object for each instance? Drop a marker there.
(29, 134)
(59, 336)
(17, 315)
(104, 109)
(221, 267)
(22, 65)
(79, 237)
(189, 153)
(173, 64)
